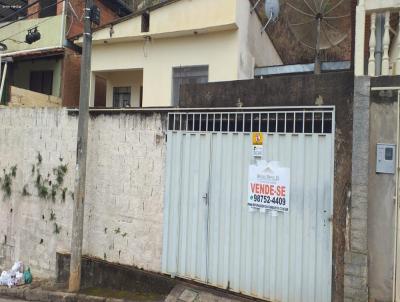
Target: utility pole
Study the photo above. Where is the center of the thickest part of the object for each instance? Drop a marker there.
(81, 155)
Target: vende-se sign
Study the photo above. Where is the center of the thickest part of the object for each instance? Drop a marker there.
(269, 186)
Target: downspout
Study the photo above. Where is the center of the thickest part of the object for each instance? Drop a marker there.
(63, 21)
(380, 22)
(3, 79)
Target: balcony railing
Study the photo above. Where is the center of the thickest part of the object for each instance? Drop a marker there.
(382, 56)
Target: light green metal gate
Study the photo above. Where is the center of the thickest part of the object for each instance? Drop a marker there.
(211, 236)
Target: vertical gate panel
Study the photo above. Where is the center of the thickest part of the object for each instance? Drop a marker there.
(213, 237)
(185, 240)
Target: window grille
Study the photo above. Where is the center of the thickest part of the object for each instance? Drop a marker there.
(301, 121)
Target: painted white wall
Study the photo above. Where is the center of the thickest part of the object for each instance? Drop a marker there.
(255, 49)
(180, 18)
(159, 56)
(126, 158)
(126, 78)
(221, 34)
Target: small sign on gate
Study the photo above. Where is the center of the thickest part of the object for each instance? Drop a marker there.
(257, 147)
(269, 186)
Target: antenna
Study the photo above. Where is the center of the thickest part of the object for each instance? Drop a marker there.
(272, 11)
(319, 24)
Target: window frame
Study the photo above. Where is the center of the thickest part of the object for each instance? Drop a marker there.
(120, 93)
(201, 72)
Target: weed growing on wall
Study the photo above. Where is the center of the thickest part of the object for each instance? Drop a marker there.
(6, 181)
(45, 186)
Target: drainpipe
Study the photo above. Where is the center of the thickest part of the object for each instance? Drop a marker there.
(63, 21)
(3, 79)
(1, 75)
(380, 23)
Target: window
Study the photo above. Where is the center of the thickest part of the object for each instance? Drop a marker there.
(48, 8)
(41, 81)
(187, 75)
(121, 97)
(145, 22)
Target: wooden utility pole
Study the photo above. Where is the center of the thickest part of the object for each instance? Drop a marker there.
(81, 155)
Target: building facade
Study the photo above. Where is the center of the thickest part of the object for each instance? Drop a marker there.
(142, 60)
(50, 64)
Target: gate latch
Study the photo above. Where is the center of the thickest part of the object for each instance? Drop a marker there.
(205, 198)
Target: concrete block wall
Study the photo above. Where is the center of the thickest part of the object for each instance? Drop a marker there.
(125, 183)
(356, 254)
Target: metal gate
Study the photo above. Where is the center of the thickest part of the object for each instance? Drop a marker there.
(210, 235)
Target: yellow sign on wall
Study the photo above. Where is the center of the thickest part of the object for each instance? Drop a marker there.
(258, 138)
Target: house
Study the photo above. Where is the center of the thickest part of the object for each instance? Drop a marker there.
(142, 60)
(47, 64)
(372, 255)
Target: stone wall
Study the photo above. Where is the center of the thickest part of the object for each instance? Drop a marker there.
(125, 183)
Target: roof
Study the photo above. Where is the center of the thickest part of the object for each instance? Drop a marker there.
(121, 7)
(30, 54)
(133, 14)
(136, 13)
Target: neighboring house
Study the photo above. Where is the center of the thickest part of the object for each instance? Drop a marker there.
(372, 260)
(144, 58)
(377, 39)
(50, 65)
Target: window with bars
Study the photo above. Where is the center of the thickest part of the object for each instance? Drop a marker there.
(187, 75)
(121, 97)
(270, 122)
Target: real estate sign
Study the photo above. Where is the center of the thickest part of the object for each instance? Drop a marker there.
(269, 186)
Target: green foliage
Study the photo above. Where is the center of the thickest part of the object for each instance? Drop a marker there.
(57, 228)
(52, 215)
(39, 159)
(46, 187)
(14, 171)
(53, 192)
(64, 194)
(7, 180)
(117, 231)
(43, 191)
(25, 191)
(59, 173)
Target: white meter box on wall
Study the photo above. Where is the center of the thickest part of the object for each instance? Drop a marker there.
(386, 158)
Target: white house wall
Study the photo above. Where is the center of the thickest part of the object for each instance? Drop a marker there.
(132, 79)
(176, 19)
(158, 57)
(255, 49)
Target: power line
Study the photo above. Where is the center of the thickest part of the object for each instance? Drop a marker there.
(15, 13)
(31, 27)
(24, 30)
(42, 8)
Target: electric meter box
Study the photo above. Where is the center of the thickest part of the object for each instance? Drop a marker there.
(386, 158)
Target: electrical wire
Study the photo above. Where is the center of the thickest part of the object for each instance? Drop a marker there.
(22, 9)
(31, 27)
(24, 30)
(36, 12)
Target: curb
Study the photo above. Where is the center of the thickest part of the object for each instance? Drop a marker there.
(37, 294)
